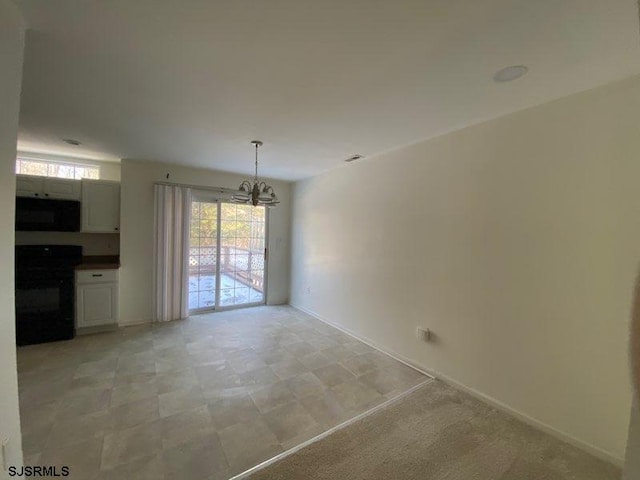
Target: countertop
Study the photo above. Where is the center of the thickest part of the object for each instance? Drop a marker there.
(99, 262)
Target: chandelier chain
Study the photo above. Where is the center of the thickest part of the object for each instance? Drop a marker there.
(256, 177)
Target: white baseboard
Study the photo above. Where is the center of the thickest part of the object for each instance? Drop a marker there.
(133, 323)
(99, 329)
(565, 437)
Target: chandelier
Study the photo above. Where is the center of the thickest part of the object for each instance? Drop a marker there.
(258, 193)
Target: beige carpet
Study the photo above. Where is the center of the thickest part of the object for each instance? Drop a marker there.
(439, 433)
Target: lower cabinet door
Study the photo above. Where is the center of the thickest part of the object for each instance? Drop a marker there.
(97, 304)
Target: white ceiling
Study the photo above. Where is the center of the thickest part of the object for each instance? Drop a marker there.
(193, 81)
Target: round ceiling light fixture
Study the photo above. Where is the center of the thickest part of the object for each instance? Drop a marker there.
(71, 141)
(510, 73)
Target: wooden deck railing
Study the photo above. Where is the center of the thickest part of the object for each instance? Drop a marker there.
(244, 265)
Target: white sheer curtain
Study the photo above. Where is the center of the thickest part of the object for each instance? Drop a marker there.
(171, 244)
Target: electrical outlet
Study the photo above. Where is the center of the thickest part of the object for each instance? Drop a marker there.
(423, 334)
(308, 289)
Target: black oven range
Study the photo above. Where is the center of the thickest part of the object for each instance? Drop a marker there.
(45, 300)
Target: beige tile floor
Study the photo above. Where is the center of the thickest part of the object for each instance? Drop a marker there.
(203, 398)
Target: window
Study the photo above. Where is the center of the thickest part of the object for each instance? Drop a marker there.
(50, 168)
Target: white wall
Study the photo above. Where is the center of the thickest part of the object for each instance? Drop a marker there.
(136, 233)
(11, 52)
(515, 241)
(109, 171)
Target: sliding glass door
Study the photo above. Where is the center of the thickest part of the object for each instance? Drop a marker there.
(242, 247)
(227, 245)
(203, 254)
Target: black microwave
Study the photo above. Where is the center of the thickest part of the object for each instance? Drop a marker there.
(45, 215)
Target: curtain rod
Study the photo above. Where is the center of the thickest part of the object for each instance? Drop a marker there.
(198, 187)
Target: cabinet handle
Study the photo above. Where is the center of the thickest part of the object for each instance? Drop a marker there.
(37, 194)
(96, 275)
(116, 228)
(46, 194)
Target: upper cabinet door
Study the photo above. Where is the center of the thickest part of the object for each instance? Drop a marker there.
(61, 188)
(29, 186)
(100, 206)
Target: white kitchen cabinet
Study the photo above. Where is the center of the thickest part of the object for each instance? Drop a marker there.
(96, 299)
(100, 206)
(47, 187)
(29, 186)
(62, 188)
